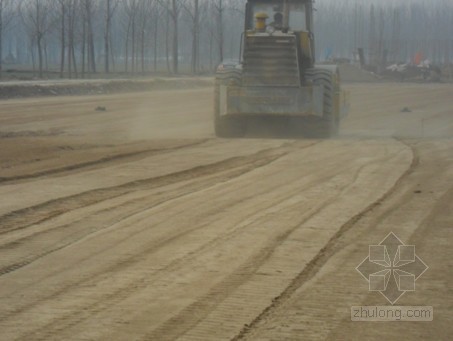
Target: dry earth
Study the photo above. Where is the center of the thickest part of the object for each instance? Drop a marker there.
(135, 223)
(78, 87)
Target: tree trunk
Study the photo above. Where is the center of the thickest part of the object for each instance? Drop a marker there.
(39, 39)
(221, 34)
(70, 43)
(380, 43)
(84, 43)
(372, 38)
(107, 37)
(91, 39)
(62, 39)
(112, 55)
(211, 43)
(69, 59)
(156, 26)
(195, 41)
(1, 36)
(133, 47)
(46, 57)
(40, 55)
(32, 52)
(74, 60)
(167, 47)
(69, 55)
(143, 48)
(126, 61)
(175, 36)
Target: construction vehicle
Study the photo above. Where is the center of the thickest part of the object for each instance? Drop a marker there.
(276, 76)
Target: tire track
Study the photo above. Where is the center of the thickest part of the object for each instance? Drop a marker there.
(239, 277)
(190, 317)
(421, 219)
(235, 169)
(152, 248)
(193, 314)
(40, 213)
(329, 250)
(234, 174)
(105, 160)
(208, 301)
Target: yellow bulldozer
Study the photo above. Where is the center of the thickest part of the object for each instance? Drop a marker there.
(276, 77)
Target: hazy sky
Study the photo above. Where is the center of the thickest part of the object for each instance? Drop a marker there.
(377, 2)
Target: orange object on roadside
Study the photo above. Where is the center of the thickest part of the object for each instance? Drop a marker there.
(418, 58)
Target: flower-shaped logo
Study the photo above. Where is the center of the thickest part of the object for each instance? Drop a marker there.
(392, 268)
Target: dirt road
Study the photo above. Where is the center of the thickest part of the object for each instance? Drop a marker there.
(135, 223)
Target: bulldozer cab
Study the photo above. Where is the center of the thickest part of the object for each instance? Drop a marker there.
(283, 15)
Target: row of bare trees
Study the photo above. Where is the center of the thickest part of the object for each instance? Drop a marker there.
(75, 38)
(80, 37)
(8, 10)
(393, 31)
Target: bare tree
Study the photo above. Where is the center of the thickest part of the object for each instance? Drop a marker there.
(167, 37)
(62, 19)
(219, 10)
(174, 14)
(381, 55)
(110, 8)
(173, 8)
(132, 9)
(193, 10)
(156, 12)
(146, 8)
(89, 9)
(396, 33)
(71, 14)
(7, 13)
(372, 36)
(36, 16)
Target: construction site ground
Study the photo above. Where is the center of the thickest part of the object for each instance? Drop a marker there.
(133, 222)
